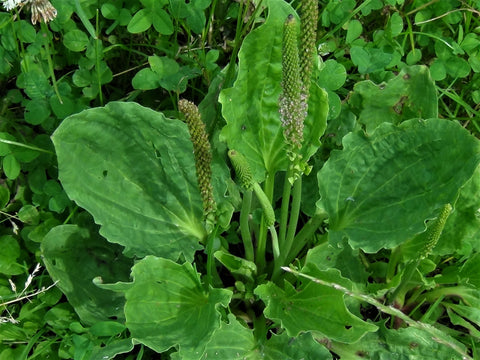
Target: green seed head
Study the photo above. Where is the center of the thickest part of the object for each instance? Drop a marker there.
(242, 168)
(292, 107)
(435, 230)
(202, 154)
(309, 22)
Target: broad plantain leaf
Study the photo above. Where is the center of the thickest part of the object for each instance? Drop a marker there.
(235, 341)
(133, 170)
(74, 256)
(167, 305)
(379, 189)
(314, 308)
(250, 107)
(411, 94)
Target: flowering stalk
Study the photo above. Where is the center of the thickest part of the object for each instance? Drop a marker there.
(308, 21)
(292, 108)
(202, 153)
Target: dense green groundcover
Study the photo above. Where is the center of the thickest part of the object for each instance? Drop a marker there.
(363, 244)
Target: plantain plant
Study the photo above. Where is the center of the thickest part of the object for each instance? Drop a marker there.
(256, 240)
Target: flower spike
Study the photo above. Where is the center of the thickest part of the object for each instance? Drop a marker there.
(202, 154)
(309, 22)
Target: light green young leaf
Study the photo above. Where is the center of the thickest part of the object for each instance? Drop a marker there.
(167, 305)
(379, 189)
(250, 107)
(140, 22)
(133, 170)
(74, 257)
(315, 308)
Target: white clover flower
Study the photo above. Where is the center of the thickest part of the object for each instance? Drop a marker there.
(10, 4)
(41, 9)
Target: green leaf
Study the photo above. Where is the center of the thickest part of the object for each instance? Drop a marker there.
(414, 56)
(140, 22)
(462, 229)
(437, 70)
(369, 60)
(107, 328)
(457, 67)
(411, 94)
(37, 111)
(470, 313)
(250, 107)
(332, 75)
(470, 271)
(74, 257)
(4, 196)
(75, 40)
(344, 258)
(112, 349)
(381, 188)
(11, 166)
(145, 79)
(163, 66)
(29, 214)
(25, 31)
(164, 298)
(354, 30)
(231, 340)
(395, 24)
(161, 21)
(315, 308)
(35, 83)
(9, 255)
(137, 178)
(236, 265)
(402, 344)
(236, 341)
(304, 346)
(110, 10)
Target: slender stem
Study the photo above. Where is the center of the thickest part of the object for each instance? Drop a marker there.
(262, 236)
(212, 274)
(294, 214)
(98, 61)
(398, 295)
(50, 62)
(244, 227)
(275, 247)
(287, 189)
(292, 228)
(420, 7)
(305, 234)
